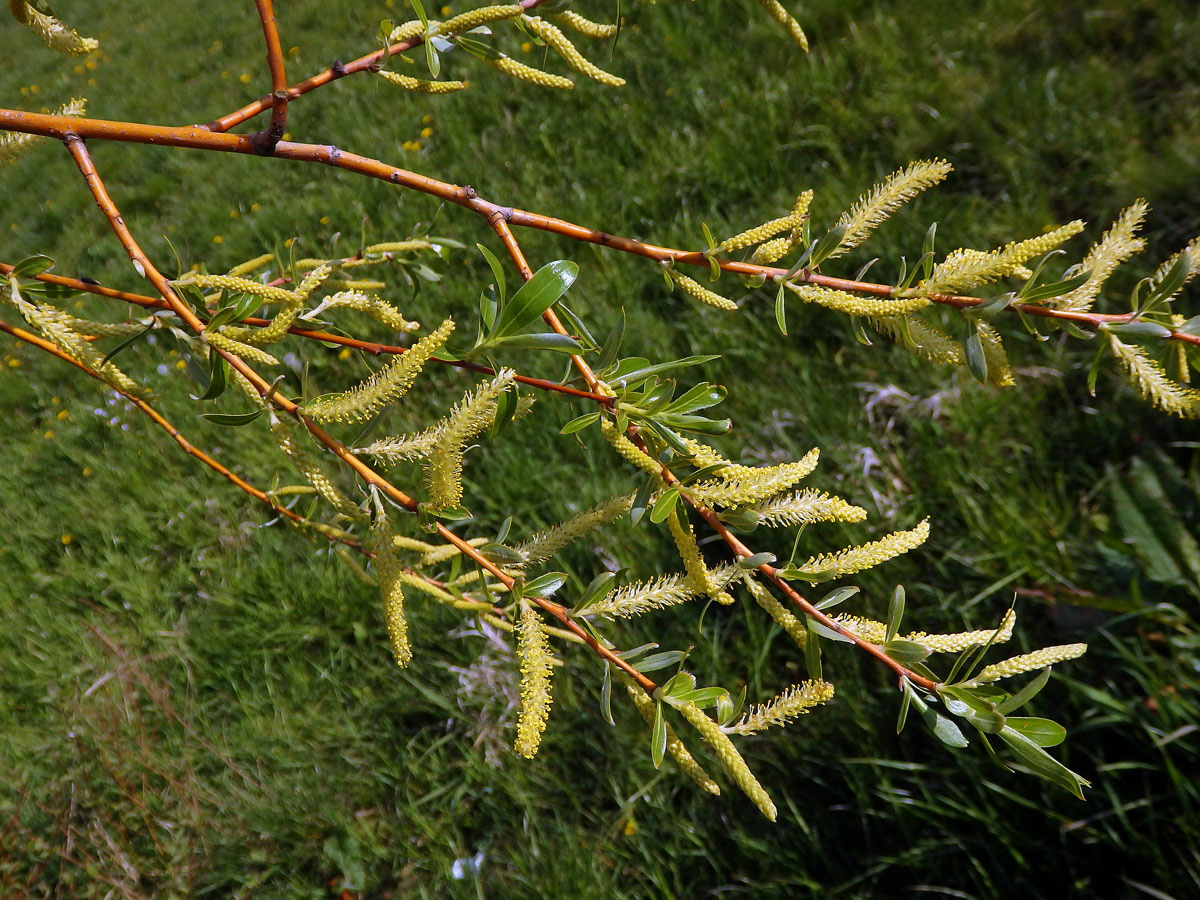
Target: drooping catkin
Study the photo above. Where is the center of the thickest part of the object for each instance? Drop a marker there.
(927, 341)
(54, 34)
(866, 556)
(675, 747)
(629, 450)
(644, 596)
(795, 701)
(997, 358)
(406, 31)
(562, 45)
(386, 386)
(1028, 662)
(231, 345)
(746, 485)
(703, 580)
(379, 310)
(391, 590)
(876, 632)
(312, 471)
(465, 421)
(783, 617)
(872, 208)
(533, 649)
(420, 85)
(1153, 383)
(697, 291)
(723, 747)
(856, 304)
(777, 12)
(522, 72)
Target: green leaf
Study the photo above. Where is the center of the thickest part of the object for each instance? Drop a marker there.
(419, 9)
(906, 697)
(499, 554)
(577, 325)
(1030, 294)
(432, 59)
(548, 340)
(812, 652)
(658, 736)
(639, 369)
(1025, 694)
(678, 684)
(606, 695)
(704, 697)
(506, 409)
(612, 344)
(926, 252)
(1042, 763)
(755, 560)
(1138, 329)
(663, 660)
(708, 238)
(481, 49)
(641, 500)
(218, 374)
(545, 585)
(125, 344)
(905, 652)
(895, 612)
(535, 296)
(580, 423)
(943, 729)
(827, 244)
(781, 309)
(596, 589)
(32, 266)
(234, 420)
(664, 505)
(993, 305)
(839, 595)
(497, 271)
(1043, 732)
(828, 633)
(701, 396)
(976, 359)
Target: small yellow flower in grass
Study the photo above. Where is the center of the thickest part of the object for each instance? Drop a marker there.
(49, 435)
(64, 414)
(233, 214)
(181, 364)
(426, 119)
(87, 472)
(324, 220)
(244, 78)
(13, 362)
(218, 239)
(345, 353)
(255, 207)
(67, 539)
(426, 132)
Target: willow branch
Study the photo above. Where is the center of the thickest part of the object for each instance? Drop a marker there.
(265, 141)
(367, 63)
(197, 137)
(146, 268)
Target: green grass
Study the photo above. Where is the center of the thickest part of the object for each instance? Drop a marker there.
(194, 704)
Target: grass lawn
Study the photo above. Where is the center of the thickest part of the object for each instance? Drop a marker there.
(194, 702)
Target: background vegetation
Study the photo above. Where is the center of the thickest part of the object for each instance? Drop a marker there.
(191, 703)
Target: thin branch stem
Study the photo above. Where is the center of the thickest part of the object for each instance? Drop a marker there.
(265, 141)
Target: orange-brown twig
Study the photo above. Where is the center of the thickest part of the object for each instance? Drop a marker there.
(265, 141)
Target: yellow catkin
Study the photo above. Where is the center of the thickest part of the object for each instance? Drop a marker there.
(806, 506)
(406, 32)
(231, 345)
(644, 596)
(629, 450)
(440, 554)
(312, 471)
(236, 284)
(777, 12)
(522, 72)
(866, 556)
(795, 628)
(997, 359)
(379, 310)
(387, 385)
(772, 251)
(54, 34)
(576, 22)
(675, 747)
(697, 291)
(1191, 256)
(534, 651)
(1117, 245)
(885, 198)
(476, 17)
(419, 85)
(876, 632)
(543, 545)
(428, 588)
(1028, 662)
(792, 703)
(391, 589)
(1178, 351)
(723, 747)
(562, 45)
(758, 234)
(857, 304)
(701, 577)
(1153, 383)
(964, 269)
(745, 485)
(928, 342)
(251, 265)
(466, 420)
